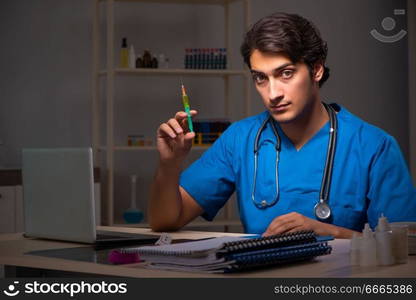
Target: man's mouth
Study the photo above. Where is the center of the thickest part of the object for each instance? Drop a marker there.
(280, 107)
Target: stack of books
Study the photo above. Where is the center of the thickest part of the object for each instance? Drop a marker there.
(232, 254)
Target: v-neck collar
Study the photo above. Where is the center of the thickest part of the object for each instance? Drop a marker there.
(324, 130)
(286, 143)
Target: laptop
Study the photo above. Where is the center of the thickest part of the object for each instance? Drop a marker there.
(58, 198)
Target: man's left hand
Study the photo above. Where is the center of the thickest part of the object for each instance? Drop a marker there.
(295, 222)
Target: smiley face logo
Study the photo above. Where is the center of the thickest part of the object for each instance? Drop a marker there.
(11, 290)
(389, 24)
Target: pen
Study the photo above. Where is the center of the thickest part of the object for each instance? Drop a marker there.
(185, 101)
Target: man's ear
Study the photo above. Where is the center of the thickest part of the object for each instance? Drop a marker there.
(318, 71)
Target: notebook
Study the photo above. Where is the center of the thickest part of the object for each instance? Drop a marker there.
(231, 254)
(58, 198)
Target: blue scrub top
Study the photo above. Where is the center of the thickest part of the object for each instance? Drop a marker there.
(370, 176)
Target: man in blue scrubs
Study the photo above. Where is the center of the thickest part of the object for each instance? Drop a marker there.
(286, 56)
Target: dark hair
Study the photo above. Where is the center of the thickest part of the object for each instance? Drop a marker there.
(289, 34)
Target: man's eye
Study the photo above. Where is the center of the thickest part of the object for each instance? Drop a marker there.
(287, 74)
(259, 79)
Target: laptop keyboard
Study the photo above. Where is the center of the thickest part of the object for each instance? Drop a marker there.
(108, 237)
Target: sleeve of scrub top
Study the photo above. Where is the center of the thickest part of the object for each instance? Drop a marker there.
(391, 190)
(210, 180)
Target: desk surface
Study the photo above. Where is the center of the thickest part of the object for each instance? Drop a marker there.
(14, 246)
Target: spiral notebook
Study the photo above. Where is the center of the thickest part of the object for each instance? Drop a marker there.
(231, 254)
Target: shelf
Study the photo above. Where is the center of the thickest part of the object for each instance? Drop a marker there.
(201, 72)
(147, 148)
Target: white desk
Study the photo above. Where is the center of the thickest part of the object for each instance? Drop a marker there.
(14, 246)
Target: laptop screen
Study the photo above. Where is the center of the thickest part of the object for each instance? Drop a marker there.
(58, 192)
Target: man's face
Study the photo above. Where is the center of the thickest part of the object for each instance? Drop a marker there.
(287, 89)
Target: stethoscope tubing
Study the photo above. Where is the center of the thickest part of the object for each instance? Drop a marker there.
(329, 162)
(263, 204)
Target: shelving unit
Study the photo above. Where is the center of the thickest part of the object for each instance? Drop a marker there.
(111, 72)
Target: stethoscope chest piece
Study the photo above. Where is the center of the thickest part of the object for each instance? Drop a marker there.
(322, 210)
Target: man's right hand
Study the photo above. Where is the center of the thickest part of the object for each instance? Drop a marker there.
(170, 206)
(174, 140)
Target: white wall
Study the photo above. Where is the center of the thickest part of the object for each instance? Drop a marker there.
(45, 75)
(367, 76)
(45, 63)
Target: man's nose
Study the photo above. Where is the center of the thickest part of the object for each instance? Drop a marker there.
(275, 91)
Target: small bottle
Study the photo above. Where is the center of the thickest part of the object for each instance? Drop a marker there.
(368, 250)
(185, 59)
(162, 61)
(224, 58)
(204, 63)
(166, 64)
(147, 59)
(139, 62)
(400, 242)
(355, 249)
(211, 60)
(194, 58)
(155, 63)
(199, 58)
(384, 242)
(124, 54)
(132, 57)
(216, 58)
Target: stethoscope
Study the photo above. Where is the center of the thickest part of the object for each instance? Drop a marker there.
(321, 209)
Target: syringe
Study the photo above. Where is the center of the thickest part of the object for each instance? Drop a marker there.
(185, 101)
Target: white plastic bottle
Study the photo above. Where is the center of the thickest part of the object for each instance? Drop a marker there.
(161, 60)
(368, 253)
(132, 58)
(400, 243)
(355, 249)
(384, 242)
